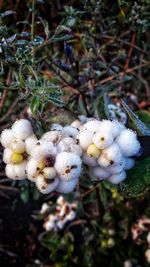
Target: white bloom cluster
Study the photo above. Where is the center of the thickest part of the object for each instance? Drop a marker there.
(108, 148)
(116, 113)
(64, 213)
(53, 162)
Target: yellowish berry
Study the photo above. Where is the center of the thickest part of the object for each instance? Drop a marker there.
(104, 243)
(16, 158)
(93, 151)
(41, 165)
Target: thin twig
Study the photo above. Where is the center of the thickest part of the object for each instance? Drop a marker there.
(121, 74)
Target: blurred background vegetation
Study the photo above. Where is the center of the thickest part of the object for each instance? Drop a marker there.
(60, 59)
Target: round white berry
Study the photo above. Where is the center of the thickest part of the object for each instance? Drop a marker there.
(77, 124)
(52, 136)
(67, 144)
(10, 171)
(117, 168)
(128, 143)
(30, 143)
(7, 155)
(18, 146)
(85, 138)
(20, 170)
(103, 139)
(31, 169)
(49, 172)
(56, 127)
(90, 161)
(71, 131)
(92, 125)
(22, 129)
(110, 155)
(46, 186)
(68, 166)
(42, 149)
(129, 163)
(117, 178)
(113, 127)
(98, 173)
(6, 138)
(66, 187)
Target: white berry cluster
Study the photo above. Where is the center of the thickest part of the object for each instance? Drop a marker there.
(65, 212)
(108, 148)
(53, 162)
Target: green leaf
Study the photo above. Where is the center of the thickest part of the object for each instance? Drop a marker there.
(138, 125)
(144, 116)
(25, 195)
(35, 104)
(138, 180)
(101, 108)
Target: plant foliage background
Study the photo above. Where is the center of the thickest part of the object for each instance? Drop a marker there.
(60, 59)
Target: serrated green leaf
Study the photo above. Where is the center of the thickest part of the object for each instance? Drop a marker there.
(138, 125)
(138, 180)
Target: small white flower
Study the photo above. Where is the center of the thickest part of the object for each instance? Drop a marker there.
(6, 138)
(90, 161)
(67, 144)
(22, 129)
(103, 139)
(128, 143)
(46, 186)
(66, 187)
(117, 178)
(85, 138)
(98, 173)
(68, 166)
(110, 155)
